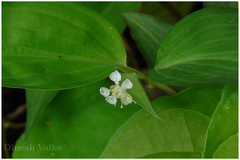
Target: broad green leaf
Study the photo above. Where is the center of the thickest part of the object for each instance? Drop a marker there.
(201, 48)
(181, 133)
(228, 149)
(78, 121)
(148, 32)
(36, 100)
(224, 124)
(221, 4)
(112, 11)
(170, 12)
(138, 93)
(58, 45)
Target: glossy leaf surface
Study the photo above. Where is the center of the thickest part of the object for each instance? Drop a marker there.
(65, 44)
(174, 137)
(138, 93)
(36, 100)
(148, 32)
(223, 125)
(201, 48)
(78, 121)
(113, 11)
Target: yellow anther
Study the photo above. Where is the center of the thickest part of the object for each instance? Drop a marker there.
(127, 96)
(122, 100)
(111, 99)
(112, 93)
(121, 106)
(117, 89)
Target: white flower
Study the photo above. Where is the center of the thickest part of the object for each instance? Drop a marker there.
(117, 90)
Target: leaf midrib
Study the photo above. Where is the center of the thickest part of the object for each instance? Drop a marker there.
(145, 117)
(185, 61)
(67, 22)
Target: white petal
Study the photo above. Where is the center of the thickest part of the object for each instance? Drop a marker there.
(104, 91)
(127, 84)
(127, 100)
(111, 100)
(115, 76)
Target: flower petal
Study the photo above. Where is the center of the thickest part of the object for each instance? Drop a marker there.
(127, 84)
(111, 100)
(104, 91)
(115, 76)
(127, 99)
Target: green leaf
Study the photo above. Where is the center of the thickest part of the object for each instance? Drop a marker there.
(112, 11)
(228, 149)
(138, 93)
(181, 133)
(221, 4)
(56, 46)
(201, 48)
(148, 32)
(223, 125)
(36, 100)
(78, 121)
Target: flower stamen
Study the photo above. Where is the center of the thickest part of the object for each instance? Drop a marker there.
(116, 91)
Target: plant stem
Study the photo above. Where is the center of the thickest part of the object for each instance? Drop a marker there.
(140, 75)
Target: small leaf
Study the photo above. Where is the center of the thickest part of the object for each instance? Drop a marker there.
(221, 4)
(138, 93)
(148, 32)
(36, 100)
(181, 133)
(77, 124)
(201, 48)
(112, 11)
(224, 124)
(57, 45)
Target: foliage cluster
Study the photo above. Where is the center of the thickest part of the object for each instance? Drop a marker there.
(62, 54)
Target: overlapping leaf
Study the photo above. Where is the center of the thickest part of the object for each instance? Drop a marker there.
(138, 93)
(148, 32)
(201, 48)
(61, 45)
(223, 128)
(112, 11)
(78, 121)
(36, 100)
(181, 133)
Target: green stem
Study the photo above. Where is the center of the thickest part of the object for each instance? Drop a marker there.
(140, 75)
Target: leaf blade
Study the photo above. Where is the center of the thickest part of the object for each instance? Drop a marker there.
(79, 120)
(148, 32)
(144, 136)
(112, 11)
(36, 100)
(76, 41)
(201, 48)
(224, 122)
(139, 95)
